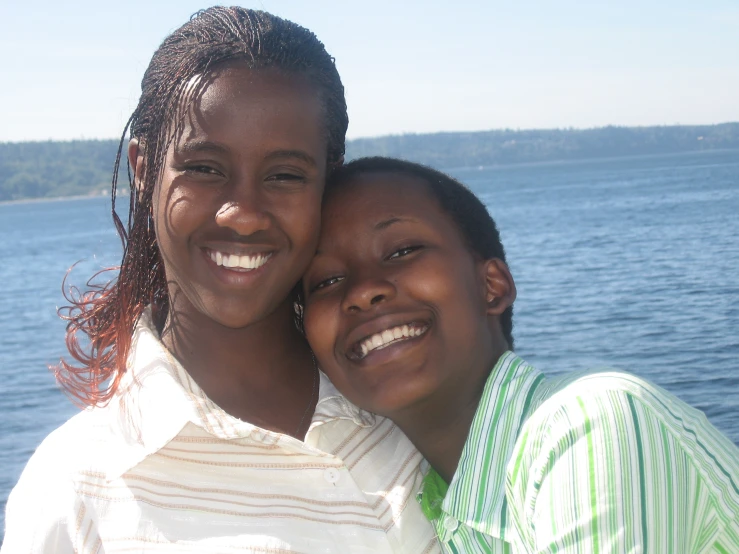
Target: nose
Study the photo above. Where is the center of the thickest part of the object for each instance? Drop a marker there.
(244, 210)
(364, 294)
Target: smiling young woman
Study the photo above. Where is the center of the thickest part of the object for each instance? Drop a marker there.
(408, 307)
(236, 221)
(208, 426)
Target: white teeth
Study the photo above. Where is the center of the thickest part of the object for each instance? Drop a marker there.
(380, 340)
(243, 262)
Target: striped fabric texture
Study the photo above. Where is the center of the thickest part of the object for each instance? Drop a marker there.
(162, 469)
(590, 463)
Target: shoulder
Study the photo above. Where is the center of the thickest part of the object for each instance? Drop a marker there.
(628, 406)
(74, 445)
(44, 504)
(622, 429)
(612, 447)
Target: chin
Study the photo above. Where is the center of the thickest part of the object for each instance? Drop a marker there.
(236, 318)
(393, 398)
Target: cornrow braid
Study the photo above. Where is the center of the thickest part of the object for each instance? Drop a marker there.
(179, 72)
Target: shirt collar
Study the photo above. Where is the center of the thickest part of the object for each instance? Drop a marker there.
(477, 493)
(157, 398)
(333, 405)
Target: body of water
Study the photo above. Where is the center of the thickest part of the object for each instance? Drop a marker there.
(626, 263)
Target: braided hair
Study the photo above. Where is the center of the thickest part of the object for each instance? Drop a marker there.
(100, 320)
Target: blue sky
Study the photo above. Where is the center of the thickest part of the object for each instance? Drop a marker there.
(72, 69)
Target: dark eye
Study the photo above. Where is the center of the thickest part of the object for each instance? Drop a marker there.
(406, 250)
(326, 283)
(202, 169)
(286, 177)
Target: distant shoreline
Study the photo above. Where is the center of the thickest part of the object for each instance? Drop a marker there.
(522, 164)
(568, 161)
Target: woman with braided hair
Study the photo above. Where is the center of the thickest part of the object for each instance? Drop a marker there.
(207, 425)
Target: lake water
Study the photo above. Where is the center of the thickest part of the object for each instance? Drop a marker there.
(628, 263)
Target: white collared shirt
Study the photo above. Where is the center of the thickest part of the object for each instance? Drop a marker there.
(163, 469)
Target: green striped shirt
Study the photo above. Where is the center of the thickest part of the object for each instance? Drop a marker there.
(589, 463)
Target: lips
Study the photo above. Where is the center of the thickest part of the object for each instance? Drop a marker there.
(386, 335)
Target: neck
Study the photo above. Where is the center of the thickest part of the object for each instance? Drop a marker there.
(263, 373)
(439, 425)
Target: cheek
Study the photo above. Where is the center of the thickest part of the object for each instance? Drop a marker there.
(453, 291)
(301, 227)
(435, 283)
(177, 212)
(318, 323)
(305, 220)
(321, 327)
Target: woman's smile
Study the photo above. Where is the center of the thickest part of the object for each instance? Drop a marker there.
(387, 338)
(393, 294)
(239, 262)
(384, 334)
(237, 269)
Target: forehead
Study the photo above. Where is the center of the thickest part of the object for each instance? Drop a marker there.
(367, 200)
(234, 81)
(234, 95)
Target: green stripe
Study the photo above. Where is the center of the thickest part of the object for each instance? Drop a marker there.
(642, 479)
(518, 464)
(720, 549)
(529, 397)
(670, 520)
(591, 479)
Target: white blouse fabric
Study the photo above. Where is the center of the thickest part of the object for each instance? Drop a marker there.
(163, 469)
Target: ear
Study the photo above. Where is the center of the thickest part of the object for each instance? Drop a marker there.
(500, 290)
(136, 161)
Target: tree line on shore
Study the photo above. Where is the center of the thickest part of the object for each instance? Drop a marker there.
(84, 167)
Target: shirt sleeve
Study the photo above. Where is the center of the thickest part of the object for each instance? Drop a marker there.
(604, 474)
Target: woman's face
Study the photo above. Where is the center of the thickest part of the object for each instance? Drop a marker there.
(395, 304)
(237, 210)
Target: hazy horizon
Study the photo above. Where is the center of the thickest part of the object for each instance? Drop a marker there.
(416, 67)
(450, 131)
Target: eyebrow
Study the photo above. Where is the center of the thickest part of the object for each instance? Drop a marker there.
(195, 146)
(392, 221)
(301, 155)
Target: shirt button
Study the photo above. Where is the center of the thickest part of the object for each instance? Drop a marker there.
(331, 475)
(450, 523)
